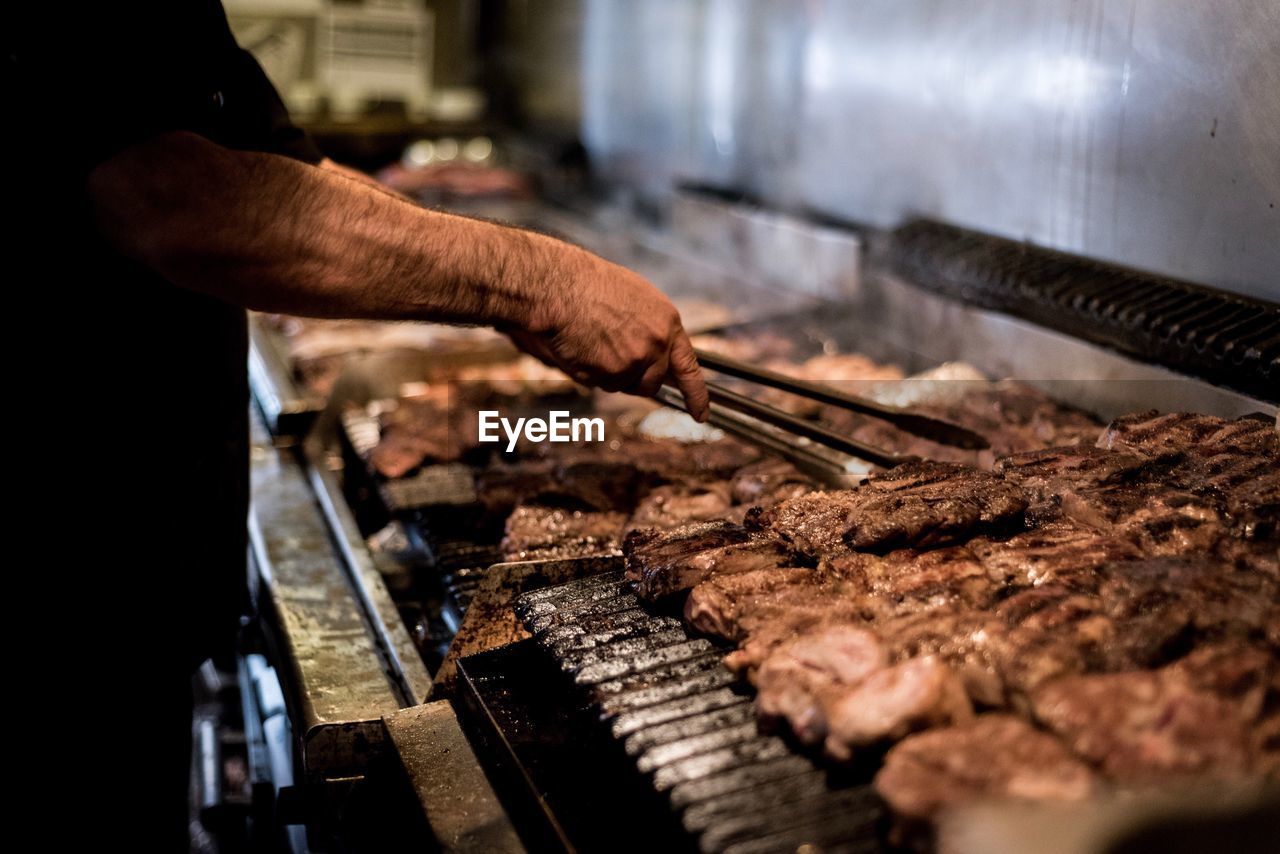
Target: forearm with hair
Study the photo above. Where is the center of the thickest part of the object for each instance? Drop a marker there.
(360, 177)
(274, 234)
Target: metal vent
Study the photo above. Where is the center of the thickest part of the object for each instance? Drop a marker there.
(1229, 340)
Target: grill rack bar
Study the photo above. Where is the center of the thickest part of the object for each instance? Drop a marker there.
(689, 729)
(1227, 339)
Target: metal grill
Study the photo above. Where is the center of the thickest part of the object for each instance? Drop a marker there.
(687, 728)
(459, 562)
(441, 485)
(1226, 339)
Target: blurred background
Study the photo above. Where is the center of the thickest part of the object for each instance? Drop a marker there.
(1138, 133)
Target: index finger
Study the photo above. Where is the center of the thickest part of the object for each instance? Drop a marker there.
(686, 373)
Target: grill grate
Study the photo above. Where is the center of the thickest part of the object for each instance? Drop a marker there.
(682, 723)
(1227, 339)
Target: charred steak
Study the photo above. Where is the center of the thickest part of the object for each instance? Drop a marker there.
(996, 757)
(916, 504)
(665, 562)
(1145, 726)
(542, 533)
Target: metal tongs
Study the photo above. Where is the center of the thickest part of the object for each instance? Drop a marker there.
(726, 404)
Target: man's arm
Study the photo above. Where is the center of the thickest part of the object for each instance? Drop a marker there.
(360, 177)
(273, 234)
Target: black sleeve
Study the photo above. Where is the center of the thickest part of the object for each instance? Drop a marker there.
(90, 82)
(255, 118)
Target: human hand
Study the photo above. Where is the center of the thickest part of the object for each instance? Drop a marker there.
(606, 326)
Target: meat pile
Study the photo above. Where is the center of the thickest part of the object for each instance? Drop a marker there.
(671, 484)
(581, 501)
(572, 501)
(438, 422)
(1078, 616)
(557, 501)
(1012, 416)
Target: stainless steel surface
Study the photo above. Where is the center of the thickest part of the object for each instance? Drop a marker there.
(396, 647)
(287, 409)
(457, 801)
(1070, 370)
(644, 66)
(339, 684)
(1134, 132)
(782, 252)
(893, 321)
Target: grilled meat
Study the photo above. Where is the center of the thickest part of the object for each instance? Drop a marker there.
(715, 606)
(1145, 726)
(1215, 474)
(601, 485)
(665, 562)
(1253, 506)
(576, 482)
(503, 487)
(1062, 551)
(1143, 613)
(1247, 675)
(673, 505)
(1012, 416)
(892, 702)
(801, 679)
(1080, 621)
(1213, 600)
(768, 482)
(995, 757)
(421, 431)
(1159, 519)
(908, 580)
(668, 459)
(1017, 417)
(651, 548)
(1208, 714)
(835, 683)
(682, 574)
(997, 500)
(999, 665)
(1044, 474)
(917, 504)
(1047, 588)
(815, 523)
(1183, 433)
(656, 460)
(1183, 501)
(1251, 556)
(1175, 523)
(717, 460)
(763, 631)
(541, 533)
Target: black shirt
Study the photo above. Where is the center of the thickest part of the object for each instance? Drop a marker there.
(139, 403)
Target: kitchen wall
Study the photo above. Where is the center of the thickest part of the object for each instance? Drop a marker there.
(1142, 132)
